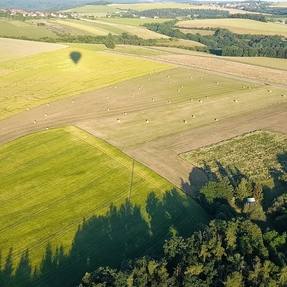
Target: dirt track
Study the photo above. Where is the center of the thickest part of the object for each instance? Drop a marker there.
(160, 154)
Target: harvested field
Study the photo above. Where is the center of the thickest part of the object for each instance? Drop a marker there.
(218, 64)
(240, 26)
(274, 63)
(12, 49)
(44, 78)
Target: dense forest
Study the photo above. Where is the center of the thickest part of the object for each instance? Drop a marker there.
(245, 244)
(226, 43)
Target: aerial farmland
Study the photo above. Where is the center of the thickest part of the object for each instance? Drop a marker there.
(128, 132)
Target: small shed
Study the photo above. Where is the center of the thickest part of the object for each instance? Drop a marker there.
(250, 200)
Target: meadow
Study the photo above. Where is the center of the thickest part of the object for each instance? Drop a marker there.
(43, 78)
(258, 155)
(240, 26)
(70, 176)
(17, 29)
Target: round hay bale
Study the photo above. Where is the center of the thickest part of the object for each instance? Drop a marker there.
(45, 115)
(215, 119)
(185, 121)
(200, 101)
(34, 122)
(153, 99)
(118, 120)
(125, 113)
(73, 101)
(47, 128)
(235, 101)
(193, 116)
(283, 95)
(108, 109)
(147, 121)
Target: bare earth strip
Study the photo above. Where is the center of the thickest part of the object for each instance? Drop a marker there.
(222, 66)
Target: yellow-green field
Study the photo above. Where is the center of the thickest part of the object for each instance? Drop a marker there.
(256, 155)
(274, 63)
(15, 29)
(241, 26)
(39, 79)
(52, 180)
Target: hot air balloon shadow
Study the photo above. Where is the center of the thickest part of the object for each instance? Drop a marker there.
(75, 56)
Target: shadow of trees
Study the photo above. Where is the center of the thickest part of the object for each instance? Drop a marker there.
(124, 233)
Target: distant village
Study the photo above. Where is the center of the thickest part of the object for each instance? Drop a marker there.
(14, 13)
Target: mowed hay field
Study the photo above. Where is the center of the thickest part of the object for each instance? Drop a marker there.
(240, 26)
(52, 180)
(173, 101)
(12, 48)
(256, 155)
(43, 78)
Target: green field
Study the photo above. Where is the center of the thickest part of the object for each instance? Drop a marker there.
(16, 29)
(241, 26)
(255, 155)
(69, 176)
(39, 79)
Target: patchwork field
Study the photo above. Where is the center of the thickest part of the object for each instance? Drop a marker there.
(118, 28)
(240, 26)
(257, 155)
(44, 78)
(104, 10)
(69, 176)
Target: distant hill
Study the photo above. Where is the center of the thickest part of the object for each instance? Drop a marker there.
(64, 4)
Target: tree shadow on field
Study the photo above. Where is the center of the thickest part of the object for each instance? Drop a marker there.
(121, 235)
(279, 177)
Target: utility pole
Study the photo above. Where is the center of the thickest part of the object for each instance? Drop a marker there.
(132, 178)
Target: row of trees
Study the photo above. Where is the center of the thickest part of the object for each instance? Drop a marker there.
(226, 43)
(177, 12)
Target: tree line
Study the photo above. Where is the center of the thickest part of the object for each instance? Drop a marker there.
(173, 13)
(226, 43)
